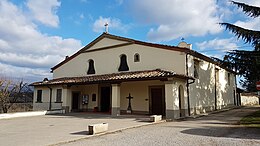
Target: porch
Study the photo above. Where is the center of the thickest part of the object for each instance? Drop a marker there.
(150, 92)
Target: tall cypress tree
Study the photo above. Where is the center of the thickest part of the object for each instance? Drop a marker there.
(245, 63)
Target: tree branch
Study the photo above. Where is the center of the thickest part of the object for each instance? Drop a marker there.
(251, 11)
(249, 36)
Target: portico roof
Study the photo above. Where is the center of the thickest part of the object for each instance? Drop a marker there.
(157, 74)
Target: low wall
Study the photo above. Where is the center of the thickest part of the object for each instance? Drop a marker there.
(30, 114)
(45, 106)
(248, 99)
(22, 114)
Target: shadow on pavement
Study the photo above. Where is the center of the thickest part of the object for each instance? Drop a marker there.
(227, 132)
(80, 133)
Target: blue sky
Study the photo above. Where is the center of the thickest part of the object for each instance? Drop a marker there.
(35, 35)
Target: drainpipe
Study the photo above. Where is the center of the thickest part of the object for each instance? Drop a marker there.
(215, 76)
(50, 97)
(236, 99)
(188, 83)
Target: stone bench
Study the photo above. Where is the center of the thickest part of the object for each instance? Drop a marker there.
(97, 128)
(155, 118)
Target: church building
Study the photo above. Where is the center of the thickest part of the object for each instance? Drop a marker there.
(118, 75)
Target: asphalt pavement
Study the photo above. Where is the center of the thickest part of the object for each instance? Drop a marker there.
(58, 129)
(220, 128)
(214, 129)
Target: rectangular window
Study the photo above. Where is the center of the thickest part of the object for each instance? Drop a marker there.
(196, 69)
(58, 95)
(94, 97)
(217, 75)
(228, 78)
(39, 96)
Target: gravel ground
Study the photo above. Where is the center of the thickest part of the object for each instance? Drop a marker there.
(215, 129)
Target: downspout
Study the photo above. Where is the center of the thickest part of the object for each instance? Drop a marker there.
(50, 97)
(236, 94)
(215, 76)
(188, 83)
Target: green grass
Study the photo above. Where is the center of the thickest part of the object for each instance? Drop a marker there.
(252, 120)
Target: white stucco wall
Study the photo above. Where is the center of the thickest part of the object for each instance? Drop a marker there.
(225, 91)
(66, 99)
(249, 99)
(202, 92)
(108, 61)
(45, 104)
(106, 42)
(173, 98)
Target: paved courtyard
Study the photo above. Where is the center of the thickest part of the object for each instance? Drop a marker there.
(71, 129)
(212, 130)
(52, 129)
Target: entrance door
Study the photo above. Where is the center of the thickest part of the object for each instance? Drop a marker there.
(157, 101)
(105, 99)
(75, 101)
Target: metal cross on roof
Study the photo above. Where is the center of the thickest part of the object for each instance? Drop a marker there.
(106, 28)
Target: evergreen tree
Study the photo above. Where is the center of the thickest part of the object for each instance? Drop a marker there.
(245, 63)
(249, 36)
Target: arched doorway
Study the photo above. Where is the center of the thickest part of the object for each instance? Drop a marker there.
(181, 101)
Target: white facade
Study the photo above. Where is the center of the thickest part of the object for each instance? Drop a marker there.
(107, 60)
(179, 94)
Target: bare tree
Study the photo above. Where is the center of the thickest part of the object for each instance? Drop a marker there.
(10, 91)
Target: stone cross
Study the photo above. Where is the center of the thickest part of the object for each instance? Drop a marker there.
(129, 108)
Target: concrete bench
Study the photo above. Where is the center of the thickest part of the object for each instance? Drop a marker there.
(155, 118)
(97, 128)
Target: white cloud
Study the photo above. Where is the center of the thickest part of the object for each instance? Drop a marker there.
(113, 23)
(217, 44)
(249, 24)
(26, 74)
(176, 18)
(217, 47)
(25, 51)
(45, 11)
(250, 2)
(233, 11)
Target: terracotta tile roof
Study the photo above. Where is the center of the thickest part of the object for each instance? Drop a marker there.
(114, 77)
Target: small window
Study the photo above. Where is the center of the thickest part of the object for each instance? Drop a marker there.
(217, 75)
(58, 95)
(39, 96)
(196, 69)
(136, 57)
(123, 63)
(94, 97)
(228, 78)
(91, 68)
